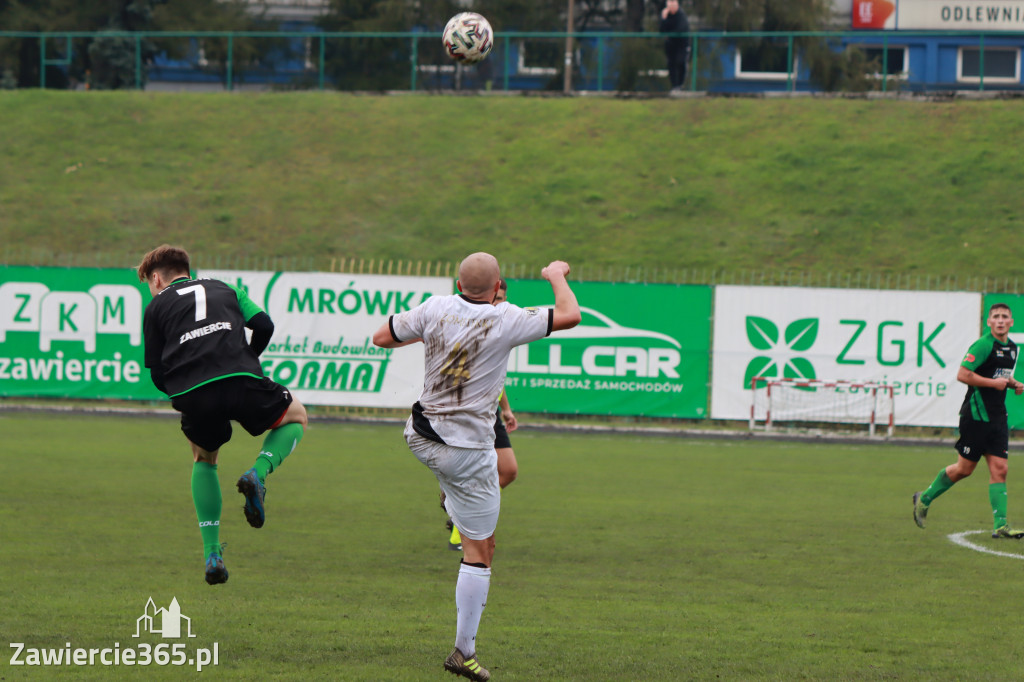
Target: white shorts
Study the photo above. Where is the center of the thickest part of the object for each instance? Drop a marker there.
(469, 479)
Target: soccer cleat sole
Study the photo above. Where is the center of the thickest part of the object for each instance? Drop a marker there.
(255, 512)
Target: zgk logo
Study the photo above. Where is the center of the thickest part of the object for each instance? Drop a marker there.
(779, 359)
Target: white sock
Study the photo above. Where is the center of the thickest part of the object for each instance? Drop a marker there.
(470, 600)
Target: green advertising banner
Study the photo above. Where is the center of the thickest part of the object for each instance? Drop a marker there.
(72, 334)
(1014, 402)
(641, 350)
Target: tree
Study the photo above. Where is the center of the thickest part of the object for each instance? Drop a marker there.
(381, 63)
(113, 57)
(20, 56)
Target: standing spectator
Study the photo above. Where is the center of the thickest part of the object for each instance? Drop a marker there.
(467, 341)
(677, 48)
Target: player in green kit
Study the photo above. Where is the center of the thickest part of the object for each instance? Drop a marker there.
(987, 370)
(197, 354)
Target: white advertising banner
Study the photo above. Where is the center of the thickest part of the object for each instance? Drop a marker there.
(913, 341)
(939, 15)
(322, 347)
(964, 15)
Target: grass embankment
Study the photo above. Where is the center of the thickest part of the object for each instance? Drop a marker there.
(818, 185)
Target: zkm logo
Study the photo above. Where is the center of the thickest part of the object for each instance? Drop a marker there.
(164, 622)
(763, 335)
(70, 315)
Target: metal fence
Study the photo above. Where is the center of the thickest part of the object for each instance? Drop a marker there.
(581, 272)
(601, 61)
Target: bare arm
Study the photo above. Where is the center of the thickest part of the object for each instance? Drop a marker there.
(383, 338)
(511, 423)
(567, 309)
(966, 376)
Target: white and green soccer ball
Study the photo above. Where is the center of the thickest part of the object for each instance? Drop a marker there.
(468, 38)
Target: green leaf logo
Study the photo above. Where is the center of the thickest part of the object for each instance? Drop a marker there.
(760, 367)
(763, 335)
(799, 368)
(802, 334)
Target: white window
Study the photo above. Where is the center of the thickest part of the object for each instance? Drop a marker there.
(764, 59)
(893, 63)
(1002, 65)
(540, 52)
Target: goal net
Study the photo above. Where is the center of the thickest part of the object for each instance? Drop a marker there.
(775, 402)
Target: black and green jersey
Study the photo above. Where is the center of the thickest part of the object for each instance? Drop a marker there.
(195, 333)
(992, 359)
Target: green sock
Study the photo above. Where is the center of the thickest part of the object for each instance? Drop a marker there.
(278, 444)
(940, 485)
(997, 496)
(207, 498)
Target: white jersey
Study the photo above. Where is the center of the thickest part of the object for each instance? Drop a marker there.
(466, 345)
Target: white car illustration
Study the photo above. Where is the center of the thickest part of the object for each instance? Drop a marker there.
(595, 325)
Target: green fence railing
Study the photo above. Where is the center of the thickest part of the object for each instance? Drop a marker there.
(521, 60)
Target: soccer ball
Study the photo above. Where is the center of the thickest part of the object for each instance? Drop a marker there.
(468, 38)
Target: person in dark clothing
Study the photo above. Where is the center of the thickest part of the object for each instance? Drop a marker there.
(987, 371)
(677, 48)
(197, 353)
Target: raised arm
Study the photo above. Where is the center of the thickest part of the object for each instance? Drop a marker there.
(385, 339)
(567, 309)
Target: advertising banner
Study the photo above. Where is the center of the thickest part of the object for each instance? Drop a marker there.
(913, 341)
(73, 333)
(322, 347)
(878, 14)
(1014, 402)
(939, 15)
(641, 349)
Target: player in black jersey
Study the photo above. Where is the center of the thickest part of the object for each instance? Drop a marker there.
(198, 355)
(987, 369)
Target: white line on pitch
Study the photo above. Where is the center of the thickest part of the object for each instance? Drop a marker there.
(961, 539)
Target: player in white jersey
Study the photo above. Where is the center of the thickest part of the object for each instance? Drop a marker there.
(467, 341)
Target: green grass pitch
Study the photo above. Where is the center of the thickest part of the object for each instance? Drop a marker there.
(619, 558)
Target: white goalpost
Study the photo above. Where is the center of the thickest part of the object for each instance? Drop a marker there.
(776, 401)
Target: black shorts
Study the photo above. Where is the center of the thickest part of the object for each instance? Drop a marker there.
(500, 434)
(207, 411)
(982, 438)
